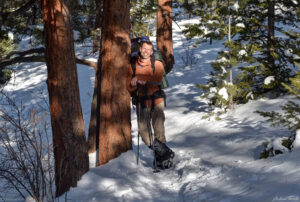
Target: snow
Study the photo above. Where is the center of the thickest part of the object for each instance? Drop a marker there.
(223, 93)
(242, 53)
(215, 160)
(277, 145)
(269, 80)
(296, 143)
(242, 25)
(221, 60)
(11, 35)
(235, 6)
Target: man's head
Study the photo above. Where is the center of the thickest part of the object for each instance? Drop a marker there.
(146, 49)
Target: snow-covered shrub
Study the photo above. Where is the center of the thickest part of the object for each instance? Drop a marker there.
(291, 112)
(277, 146)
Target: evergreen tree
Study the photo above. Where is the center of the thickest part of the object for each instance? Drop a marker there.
(69, 144)
(141, 14)
(221, 21)
(164, 39)
(290, 117)
(17, 18)
(263, 57)
(266, 22)
(114, 129)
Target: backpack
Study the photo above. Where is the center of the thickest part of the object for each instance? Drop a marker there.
(135, 45)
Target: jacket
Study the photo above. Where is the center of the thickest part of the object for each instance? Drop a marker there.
(145, 72)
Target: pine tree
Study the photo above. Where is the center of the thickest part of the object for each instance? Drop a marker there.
(141, 14)
(164, 33)
(17, 18)
(290, 117)
(221, 21)
(254, 49)
(69, 144)
(115, 128)
(273, 54)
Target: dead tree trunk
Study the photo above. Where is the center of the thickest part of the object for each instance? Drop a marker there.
(70, 148)
(115, 129)
(164, 33)
(271, 32)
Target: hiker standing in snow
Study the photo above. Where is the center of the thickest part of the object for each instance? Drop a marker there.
(145, 79)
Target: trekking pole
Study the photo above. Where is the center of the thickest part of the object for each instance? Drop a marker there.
(138, 122)
(150, 131)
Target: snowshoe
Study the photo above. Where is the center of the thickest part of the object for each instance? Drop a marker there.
(163, 155)
(166, 164)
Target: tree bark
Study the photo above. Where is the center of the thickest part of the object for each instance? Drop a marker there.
(115, 128)
(164, 33)
(93, 139)
(70, 148)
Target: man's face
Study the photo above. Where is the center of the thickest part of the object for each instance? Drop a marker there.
(146, 51)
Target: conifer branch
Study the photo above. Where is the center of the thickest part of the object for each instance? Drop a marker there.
(19, 11)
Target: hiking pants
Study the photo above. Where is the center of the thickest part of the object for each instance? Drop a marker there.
(157, 119)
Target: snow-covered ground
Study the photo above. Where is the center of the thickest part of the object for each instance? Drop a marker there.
(215, 160)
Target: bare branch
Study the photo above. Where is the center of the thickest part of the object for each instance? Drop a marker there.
(27, 52)
(87, 62)
(21, 59)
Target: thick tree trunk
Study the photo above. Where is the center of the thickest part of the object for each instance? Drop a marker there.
(115, 128)
(70, 148)
(164, 33)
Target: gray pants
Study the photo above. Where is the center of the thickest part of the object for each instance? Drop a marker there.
(157, 119)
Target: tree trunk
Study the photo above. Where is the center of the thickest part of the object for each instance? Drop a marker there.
(115, 128)
(70, 149)
(230, 103)
(93, 139)
(164, 33)
(271, 31)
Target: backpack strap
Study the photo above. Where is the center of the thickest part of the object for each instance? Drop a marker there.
(153, 62)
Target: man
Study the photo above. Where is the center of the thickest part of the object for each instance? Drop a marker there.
(152, 101)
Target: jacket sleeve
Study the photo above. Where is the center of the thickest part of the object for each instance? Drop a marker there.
(128, 81)
(156, 76)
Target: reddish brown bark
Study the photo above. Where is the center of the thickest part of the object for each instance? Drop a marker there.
(70, 149)
(93, 139)
(115, 129)
(164, 33)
